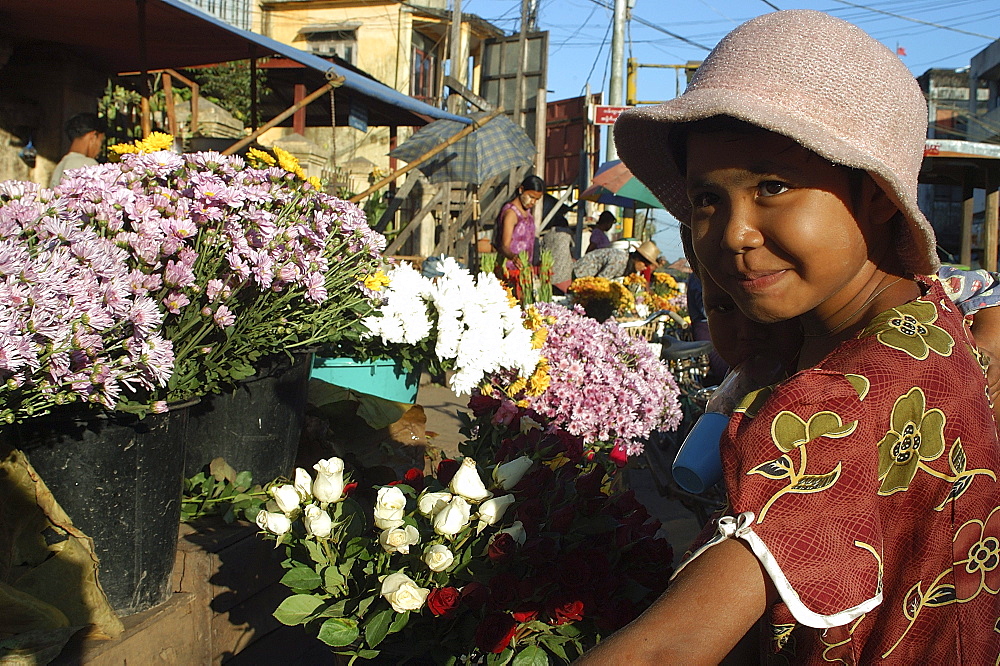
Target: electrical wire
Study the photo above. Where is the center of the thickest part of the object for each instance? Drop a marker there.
(648, 24)
(913, 20)
(597, 57)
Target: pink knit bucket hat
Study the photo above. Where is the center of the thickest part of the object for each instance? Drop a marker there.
(811, 77)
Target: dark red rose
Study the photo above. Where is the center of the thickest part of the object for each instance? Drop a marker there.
(589, 484)
(579, 569)
(539, 551)
(561, 520)
(569, 445)
(531, 512)
(475, 595)
(481, 405)
(503, 590)
(495, 632)
(501, 548)
(618, 455)
(625, 504)
(446, 470)
(613, 614)
(535, 483)
(565, 608)
(444, 601)
(350, 488)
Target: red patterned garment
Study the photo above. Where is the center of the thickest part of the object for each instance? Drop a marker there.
(867, 487)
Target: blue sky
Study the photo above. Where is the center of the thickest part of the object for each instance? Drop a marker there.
(580, 37)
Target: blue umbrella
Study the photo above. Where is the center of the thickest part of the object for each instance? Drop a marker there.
(495, 148)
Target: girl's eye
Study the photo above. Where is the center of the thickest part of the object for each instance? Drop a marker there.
(703, 199)
(770, 188)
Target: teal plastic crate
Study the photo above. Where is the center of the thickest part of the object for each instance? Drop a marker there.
(384, 379)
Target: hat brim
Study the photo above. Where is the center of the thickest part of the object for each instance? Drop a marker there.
(642, 135)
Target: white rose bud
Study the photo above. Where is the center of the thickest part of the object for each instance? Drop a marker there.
(516, 531)
(453, 518)
(317, 521)
(275, 523)
(303, 484)
(438, 557)
(510, 474)
(402, 593)
(399, 539)
(286, 496)
(329, 483)
(492, 510)
(430, 503)
(390, 505)
(467, 483)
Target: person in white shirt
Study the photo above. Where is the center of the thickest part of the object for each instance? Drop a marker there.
(86, 136)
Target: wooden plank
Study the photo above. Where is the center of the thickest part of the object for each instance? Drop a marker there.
(414, 222)
(398, 199)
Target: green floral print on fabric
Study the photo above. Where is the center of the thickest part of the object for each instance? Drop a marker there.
(910, 328)
(916, 435)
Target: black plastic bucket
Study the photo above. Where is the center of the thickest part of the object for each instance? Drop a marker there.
(119, 480)
(256, 427)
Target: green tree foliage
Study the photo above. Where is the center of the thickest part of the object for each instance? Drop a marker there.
(228, 85)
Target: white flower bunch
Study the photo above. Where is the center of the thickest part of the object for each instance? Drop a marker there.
(478, 331)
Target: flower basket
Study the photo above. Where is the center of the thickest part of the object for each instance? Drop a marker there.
(119, 478)
(256, 426)
(382, 378)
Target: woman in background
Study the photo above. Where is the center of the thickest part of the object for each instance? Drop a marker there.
(516, 225)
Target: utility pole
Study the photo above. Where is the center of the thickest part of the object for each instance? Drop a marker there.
(457, 65)
(617, 67)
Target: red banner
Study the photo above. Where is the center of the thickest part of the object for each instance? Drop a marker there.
(607, 115)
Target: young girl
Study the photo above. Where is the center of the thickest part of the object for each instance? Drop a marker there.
(516, 226)
(864, 518)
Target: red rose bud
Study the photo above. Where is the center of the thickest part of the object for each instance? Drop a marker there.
(446, 470)
(350, 488)
(495, 632)
(618, 455)
(525, 615)
(443, 601)
(501, 548)
(415, 479)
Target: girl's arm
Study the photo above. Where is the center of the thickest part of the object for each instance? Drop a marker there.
(509, 221)
(701, 617)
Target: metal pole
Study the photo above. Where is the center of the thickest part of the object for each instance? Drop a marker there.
(522, 51)
(617, 67)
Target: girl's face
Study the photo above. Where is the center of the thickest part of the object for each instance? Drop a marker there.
(773, 225)
(529, 198)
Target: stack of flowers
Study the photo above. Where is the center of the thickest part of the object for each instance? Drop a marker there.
(664, 294)
(465, 323)
(73, 329)
(604, 385)
(603, 294)
(537, 563)
(244, 261)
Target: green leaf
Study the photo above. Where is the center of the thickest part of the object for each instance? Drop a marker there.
(315, 551)
(243, 480)
(297, 608)
(338, 609)
(399, 622)
(531, 656)
(339, 631)
(554, 645)
(363, 605)
(377, 626)
(333, 579)
(301, 578)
